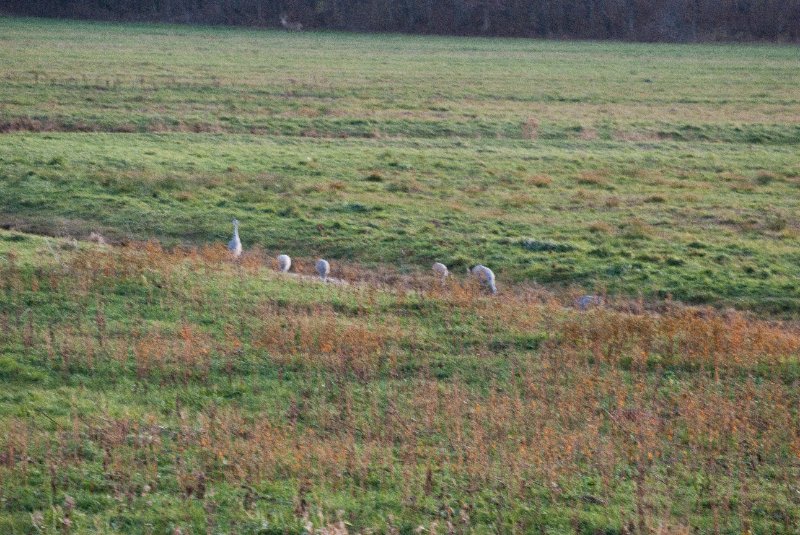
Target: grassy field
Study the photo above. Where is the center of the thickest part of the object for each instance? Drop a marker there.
(146, 390)
(155, 386)
(653, 169)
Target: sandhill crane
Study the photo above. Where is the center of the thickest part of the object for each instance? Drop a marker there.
(440, 269)
(324, 269)
(585, 302)
(235, 245)
(284, 263)
(485, 275)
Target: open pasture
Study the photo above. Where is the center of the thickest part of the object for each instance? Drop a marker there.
(146, 390)
(653, 169)
(155, 386)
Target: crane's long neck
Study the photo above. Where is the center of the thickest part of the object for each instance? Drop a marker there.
(236, 231)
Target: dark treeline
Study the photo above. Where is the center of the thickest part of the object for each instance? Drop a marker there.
(639, 20)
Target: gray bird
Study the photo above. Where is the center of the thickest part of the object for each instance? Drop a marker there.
(235, 245)
(324, 269)
(441, 270)
(485, 275)
(284, 263)
(585, 302)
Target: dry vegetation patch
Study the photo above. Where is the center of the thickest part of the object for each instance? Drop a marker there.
(546, 395)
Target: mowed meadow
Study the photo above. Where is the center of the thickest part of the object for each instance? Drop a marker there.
(154, 385)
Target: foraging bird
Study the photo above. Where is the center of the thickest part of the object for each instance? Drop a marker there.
(440, 269)
(485, 275)
(323, 268)
(284, 263)
(235, 245)
(585, 302)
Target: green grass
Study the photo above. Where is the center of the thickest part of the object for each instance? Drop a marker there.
(661, 169)
(130, 375)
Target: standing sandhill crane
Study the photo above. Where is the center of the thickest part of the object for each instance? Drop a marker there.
(235, 245)
(441, 270)
(485, 275)
(323, 268)
(284, 263)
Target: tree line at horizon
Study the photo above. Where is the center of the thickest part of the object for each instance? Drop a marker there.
(636, 20)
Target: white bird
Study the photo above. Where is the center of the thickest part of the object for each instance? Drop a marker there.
(586, 302)
(284, 262)
(485, 275)
(235, 245)
(440, 269)
(323, 268)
